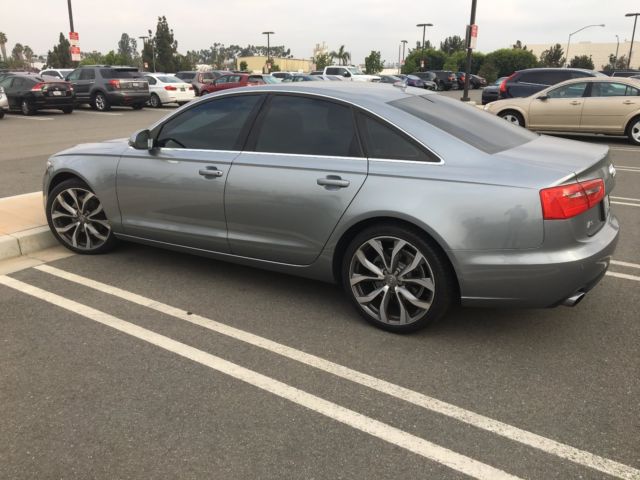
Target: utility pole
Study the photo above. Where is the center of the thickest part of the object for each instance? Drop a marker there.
(424, 29)
(615, 62)
(633, 35)
(465, 96)
(399, 56)
(268, 34)
(404, 44)
(70, 16)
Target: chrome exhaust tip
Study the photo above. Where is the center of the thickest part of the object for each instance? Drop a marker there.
(574, 299)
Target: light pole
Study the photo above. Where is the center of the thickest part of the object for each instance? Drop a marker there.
(569, 41)
(633, 35)
(399, 45)
(268, 34)
(404, 44)
(615, 62)
(70, 15)
(465, 95)
(424, 28)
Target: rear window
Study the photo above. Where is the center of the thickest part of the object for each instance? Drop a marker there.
(186, 75)
(119, 73)
(469, 124)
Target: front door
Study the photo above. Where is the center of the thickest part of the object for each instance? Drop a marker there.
(609, 107)
(285, 196)
(175, 192)
(560, 110)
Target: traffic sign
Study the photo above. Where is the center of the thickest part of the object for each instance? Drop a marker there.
(75, 54)
(74, 39)
(473, 37)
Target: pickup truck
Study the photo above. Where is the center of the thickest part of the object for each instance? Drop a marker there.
(349, 72)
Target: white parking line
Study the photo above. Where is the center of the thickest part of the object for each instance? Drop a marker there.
(625, 198)
(624, 264)
(626, 277)
(40, 119)
(627, 168)
(625, 149)
(525, 437)
(356, 420)
(113, 114)
(625, 203)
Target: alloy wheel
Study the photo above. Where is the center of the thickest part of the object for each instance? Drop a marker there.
(100, 102)
(634, 131)
(391, 280)
(155, 101)
(511, 118)
(79, 219)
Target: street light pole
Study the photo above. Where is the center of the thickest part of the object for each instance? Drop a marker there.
(70, 16)
(404, 44)
(615, 62)
(465, 96)
(633, 35)
(144, 41)
(424, 29)
(399, 45)
(268, 34)
(569, 41)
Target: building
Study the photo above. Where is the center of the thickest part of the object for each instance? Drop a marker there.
(599, 52)
(256, 64)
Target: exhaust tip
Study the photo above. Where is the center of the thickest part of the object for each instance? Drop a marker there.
(574, 299)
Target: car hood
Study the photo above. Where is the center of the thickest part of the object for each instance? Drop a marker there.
(108, 147)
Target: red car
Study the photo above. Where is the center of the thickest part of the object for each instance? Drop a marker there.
(234, 80)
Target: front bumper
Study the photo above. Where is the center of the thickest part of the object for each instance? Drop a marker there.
(535, 278)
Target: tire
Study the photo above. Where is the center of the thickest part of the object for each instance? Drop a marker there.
(138, 106)
(415, 286)
(513, 117)
(67, 110)
(1, 113)
(439, 87)
(27, 108)
(86, 231)
(203, 93)
(155, 101)
(182, 103)
(633, 130)
(100, 102)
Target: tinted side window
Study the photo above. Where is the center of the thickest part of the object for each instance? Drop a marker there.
(307, 126)
(573, 90)
(333, 71)
(18, 82)
(532, 77)
(383, 141)
(87, 74)
(609, 89)
(214, 125)
(150, 80)
(75, 75)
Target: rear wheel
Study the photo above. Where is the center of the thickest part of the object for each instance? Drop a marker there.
(513, 117)
(77, 219)
(154, 101)
(1, 113)
(67, 110)
(27, 107)
(633, 131)
(138, 106)
(396, 279)
(100, 102)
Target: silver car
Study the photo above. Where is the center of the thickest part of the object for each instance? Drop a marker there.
(410, 200)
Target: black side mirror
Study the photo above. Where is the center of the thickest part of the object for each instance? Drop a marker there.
(346, 74)
(543, 97)
(142, 140)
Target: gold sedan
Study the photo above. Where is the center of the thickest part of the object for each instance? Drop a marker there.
(583, 105)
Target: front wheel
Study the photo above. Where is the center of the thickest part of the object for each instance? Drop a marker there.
(633, 131)
(512, 117)
(138, 106)
(27, 108)
(77, 219)
(101, 103)
(396, 279)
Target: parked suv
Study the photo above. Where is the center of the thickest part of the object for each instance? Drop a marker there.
(524, 83)
(102, 86)
(198, 79)
(444, 79)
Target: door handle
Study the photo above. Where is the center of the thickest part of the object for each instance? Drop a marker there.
(575, 102)
(210, 172)
(333, 181)
(628, 102)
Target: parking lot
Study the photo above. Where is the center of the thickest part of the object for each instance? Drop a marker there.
(146, 363)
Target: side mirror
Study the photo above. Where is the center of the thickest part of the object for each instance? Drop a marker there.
(142, 140)
(543, 97)
(346, 74)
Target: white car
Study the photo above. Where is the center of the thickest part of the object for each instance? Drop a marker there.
(56, 72)
(166, 88)
(4, 102)
(350, 72)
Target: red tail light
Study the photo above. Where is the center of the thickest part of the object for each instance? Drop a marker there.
(190, 88)
(567, 201)
(114, 83)
(38, 87)
(170, 88)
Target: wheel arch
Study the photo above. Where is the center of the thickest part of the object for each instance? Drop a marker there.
(630, 122)
(349, 234)
(63, 176)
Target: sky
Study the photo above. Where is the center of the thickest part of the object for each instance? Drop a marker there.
(360, 25)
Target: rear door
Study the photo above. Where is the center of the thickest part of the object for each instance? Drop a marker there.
(175, 192)
(85, 83)
(561, 110)
(302, 167)
(610, 107)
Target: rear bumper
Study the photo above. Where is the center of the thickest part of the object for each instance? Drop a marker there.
(535, 278)
(52, 102)
(127, 98)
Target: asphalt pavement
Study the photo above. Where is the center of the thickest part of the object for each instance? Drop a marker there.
(145, 363)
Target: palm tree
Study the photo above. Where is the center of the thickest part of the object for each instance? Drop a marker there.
(28, 55)
(3, 43)
(341, 55)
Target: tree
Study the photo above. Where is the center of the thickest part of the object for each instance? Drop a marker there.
(427, 45)
(92, 58)
(18, 53)
(244, 65)
(506, 61)
(452, 44)
(373, 63)
(3, 45)
(60, 57)
(128, 50)
(165, 46)
(552, 57)
(113, 58)
(489, 71)
(28, 55)
(275, 67)
(619, 63)
(582, 61)
(322, 60)
(433, 60)
(341, 55)
(518, 45)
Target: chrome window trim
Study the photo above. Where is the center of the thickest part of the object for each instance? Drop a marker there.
(263, 91)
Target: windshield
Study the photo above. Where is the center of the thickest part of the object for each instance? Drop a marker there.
(469, 124)
(355, 71)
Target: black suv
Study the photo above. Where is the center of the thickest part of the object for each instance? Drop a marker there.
(444, 79)
(102, 86)
(524, 83)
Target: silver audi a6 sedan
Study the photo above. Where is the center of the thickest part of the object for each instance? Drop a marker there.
(410, 200)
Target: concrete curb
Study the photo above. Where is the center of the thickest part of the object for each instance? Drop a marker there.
(26, 242)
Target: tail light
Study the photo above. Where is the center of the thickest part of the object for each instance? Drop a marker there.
(171, 88)
(191, 88)
(38, 87)
(114, 83)
(503, 85)
(567, 201)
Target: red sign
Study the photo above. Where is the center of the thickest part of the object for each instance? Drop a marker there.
(473, 40)
(75, 54)
(74, 36)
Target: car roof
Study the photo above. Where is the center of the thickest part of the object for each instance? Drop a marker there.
(626, 80)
